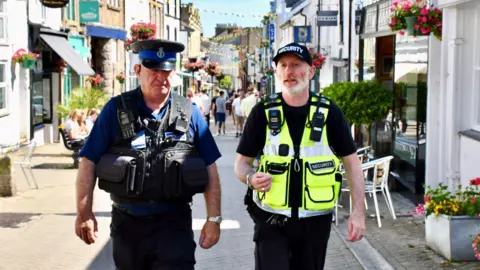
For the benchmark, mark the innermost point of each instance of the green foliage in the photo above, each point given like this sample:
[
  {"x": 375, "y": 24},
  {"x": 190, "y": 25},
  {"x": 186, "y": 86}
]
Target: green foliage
[
  {"x": 82, "y": 98},
  {"x": 361, "y": 102},
  {"x": 226, "y": 82}
]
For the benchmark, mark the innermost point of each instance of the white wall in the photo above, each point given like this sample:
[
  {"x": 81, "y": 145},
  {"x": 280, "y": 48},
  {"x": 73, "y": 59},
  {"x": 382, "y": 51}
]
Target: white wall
[
  {"x": 17, "y": 117},
  {"x": 49, "y": 17},
  {"x": 170, "y": 19},
  {"x": 452, "y": 159}
]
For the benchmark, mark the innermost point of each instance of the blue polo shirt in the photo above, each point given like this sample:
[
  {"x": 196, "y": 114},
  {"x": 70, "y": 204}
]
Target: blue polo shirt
[{"x": 106, "y": 130}]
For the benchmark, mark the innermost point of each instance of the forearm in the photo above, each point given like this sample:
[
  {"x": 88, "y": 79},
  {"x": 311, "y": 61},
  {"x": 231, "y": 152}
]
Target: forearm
[
  {"x": 356, "y": 183},
  {"x": 85, "y": 186},
  {"x": 213, "y": 193},
  {"x": 243, "y": 166}
]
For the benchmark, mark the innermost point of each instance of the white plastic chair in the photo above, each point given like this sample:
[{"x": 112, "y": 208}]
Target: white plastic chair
[
  {"x": 378, "y": 184},
  {"x": 25, "y": 164}
]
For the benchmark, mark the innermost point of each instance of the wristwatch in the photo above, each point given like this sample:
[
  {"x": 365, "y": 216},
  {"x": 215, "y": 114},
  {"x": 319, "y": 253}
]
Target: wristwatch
[
  {"x": 248, "y": 179},
  {"x": 217, "y": 219}
]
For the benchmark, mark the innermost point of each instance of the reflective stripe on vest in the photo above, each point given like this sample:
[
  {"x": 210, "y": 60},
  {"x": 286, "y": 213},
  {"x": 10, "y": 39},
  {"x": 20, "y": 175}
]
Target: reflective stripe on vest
[{"x": 320, "y": 190}]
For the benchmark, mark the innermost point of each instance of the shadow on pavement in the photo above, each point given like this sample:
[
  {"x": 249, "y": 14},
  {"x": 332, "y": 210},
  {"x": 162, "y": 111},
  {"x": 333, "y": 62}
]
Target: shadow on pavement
[
  {"x": 52, "y": 155},
  {"x": 97, "y": 214},
  {"x": 55, "y": 166},
  {"x": 13, "y": 220},
  {"x": 103, "y": 260}
]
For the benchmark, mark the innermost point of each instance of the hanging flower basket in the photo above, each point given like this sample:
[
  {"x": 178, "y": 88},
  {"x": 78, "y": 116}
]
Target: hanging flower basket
[
  {"x": 211, "y": 68},
  {"x": 269, "y": 71},
  {"x": 141, "y": 31},
  {"x": 96, "y": 81},
  {"x": 120, "y": 78},
  {"x": 192, "y": 67},
  {"x": 25, "y": 58},
  {"x": 317, "y": 59},
  {"x": 416, "y": 17}
]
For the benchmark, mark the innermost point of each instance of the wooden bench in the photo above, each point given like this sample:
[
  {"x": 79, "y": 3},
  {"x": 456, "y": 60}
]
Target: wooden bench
[{"x": 75, "y": 145}]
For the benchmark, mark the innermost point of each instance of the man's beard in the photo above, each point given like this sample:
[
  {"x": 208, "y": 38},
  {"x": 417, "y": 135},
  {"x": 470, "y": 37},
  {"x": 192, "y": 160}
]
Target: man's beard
[{"x": 302, "y": 83}]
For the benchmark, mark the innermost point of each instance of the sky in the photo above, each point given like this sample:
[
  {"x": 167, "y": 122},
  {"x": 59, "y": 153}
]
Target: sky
[{"x": 247, "y": 8}]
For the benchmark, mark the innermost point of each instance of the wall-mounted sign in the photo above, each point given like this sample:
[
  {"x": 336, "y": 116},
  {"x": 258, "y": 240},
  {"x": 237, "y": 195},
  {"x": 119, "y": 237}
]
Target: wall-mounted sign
[
  {"x": 271, "y": 32},
  {"x": 327, "y": 18},
  {"x": 302, "y": 34},
  {"x": 54, "y": 3},
  {"x": 89, "y": 12}
]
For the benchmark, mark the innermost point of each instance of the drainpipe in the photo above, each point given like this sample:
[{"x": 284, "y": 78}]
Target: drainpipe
[
  {"x": 305, "y": 16},
  {"x": 349, "y": 75}
]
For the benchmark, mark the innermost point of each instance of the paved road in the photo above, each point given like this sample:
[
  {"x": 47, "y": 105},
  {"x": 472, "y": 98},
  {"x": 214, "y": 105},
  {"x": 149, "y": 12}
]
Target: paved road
[{"x": 36, "y": 227}]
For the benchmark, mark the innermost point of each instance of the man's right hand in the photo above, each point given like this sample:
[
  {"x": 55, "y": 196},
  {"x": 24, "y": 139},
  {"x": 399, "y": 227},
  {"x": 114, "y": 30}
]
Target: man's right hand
[
  {"x": 261, "y": 181},
  {"x": 86, "y": 228}
]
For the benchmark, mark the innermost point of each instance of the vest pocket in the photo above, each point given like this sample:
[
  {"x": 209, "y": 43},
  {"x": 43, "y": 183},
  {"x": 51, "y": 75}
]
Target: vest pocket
[
  {"x": 319, "y": 183},
  {"x": 277, "y": 195}
]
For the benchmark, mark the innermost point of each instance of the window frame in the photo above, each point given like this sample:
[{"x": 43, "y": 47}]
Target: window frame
[
  {"x": 476, "y": 78},
  {"x": 70, "y": 10},
  {"x": 4, "y": 15},
  {"x": 5, "y": 111}
]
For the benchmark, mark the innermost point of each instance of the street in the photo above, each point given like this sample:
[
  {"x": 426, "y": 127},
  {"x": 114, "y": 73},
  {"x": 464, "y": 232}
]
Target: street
[{"x": 37, "y": 226}]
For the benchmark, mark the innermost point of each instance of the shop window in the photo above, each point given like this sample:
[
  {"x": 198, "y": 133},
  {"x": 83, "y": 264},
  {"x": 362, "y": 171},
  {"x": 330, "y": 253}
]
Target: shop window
[
  {"x": 41, "y": 100},
  {"x": 3, "y": 20},
  {"x": 369, "y": 55},
  {"x": 70, "y": 11},
  {"x": 3, "y": 91}
]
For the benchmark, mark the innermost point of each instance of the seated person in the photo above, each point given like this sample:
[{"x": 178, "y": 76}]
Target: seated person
[{"x": 72, "y": 127}]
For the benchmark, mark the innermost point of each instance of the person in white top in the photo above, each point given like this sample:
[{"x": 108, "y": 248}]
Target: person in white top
[
  {"x": 72, "y": 127},
  {"x": 194, "y": 99},
  {"x": 207, "y": 104},
  {"x": 237, "y": 111}
]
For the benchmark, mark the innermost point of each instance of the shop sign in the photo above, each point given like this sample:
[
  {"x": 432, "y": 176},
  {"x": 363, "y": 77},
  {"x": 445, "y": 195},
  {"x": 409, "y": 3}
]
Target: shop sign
[
  {"x": 89, "y": 11},
  {"x": 327, "y": 18},
  {"x": 302, "y": 34},
  {"x": 54, "y": 3}
]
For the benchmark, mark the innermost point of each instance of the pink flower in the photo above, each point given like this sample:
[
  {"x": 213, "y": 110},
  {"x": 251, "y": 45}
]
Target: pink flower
[
  {"x": 474, "y": 200},
  {"x": 425, "y": 30},
  {"x": 416, "y": 26},
  {"x": 424, "y": 11},
  {"x": 394, "y": 21},
  {"x": 402, "y": 33},
  {"x": 420, "y": 210}
]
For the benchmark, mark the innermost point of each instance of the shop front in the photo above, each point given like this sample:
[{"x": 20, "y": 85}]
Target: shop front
[
  {"x": 71, "y": 79},
  {"x": 400, "y": 63},
  {"x": 45, "y": 82}
]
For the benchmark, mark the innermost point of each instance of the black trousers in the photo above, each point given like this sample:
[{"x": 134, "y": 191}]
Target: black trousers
[
  {"x": 295, "y": 245},
  {"x": 160, "y": 242}
]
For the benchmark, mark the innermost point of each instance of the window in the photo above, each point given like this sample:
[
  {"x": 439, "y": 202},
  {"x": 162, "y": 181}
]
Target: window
[
  {"x": 168, "y": 32},
  {"x": 3, "y": 20},
  {"x": 476, "y": 77},
  {"x": 175, "y": 8},
  {"x": 114, "y": 3},
  {"x": 44, "y": 13},
  {"x": 70, "y": 11},
  {"x": 3, "y": 90},
  {"x": 168, "y": 7},
  {"x": 175, "y": 33}
]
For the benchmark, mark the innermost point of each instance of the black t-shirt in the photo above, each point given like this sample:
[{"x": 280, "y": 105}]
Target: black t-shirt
[{"x": 254, "y": 134}]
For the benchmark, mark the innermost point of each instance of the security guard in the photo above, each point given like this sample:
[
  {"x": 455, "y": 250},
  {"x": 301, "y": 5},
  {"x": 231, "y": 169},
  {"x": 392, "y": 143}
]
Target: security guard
[
  {"x": 152, "y": 151},
  {"x": 301, "y": 136}
]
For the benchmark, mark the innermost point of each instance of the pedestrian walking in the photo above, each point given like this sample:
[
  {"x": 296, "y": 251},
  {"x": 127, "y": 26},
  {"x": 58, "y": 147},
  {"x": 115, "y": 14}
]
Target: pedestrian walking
[
  {"x": 237, "y": 113},
  {"x": 152, "y": 151},
  {"x": 302, "y": 136},
  {"x": 221, "y": 112}
]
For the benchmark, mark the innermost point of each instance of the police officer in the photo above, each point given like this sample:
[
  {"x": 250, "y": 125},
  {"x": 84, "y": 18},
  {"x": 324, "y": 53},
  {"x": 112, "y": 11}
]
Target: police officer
[
  {"x": 302, "y": 136},
  {"x": 152, "y": 151}
]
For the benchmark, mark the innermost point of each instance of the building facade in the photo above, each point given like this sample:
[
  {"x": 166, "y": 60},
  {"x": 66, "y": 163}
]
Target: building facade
[
  {"x": 136, "y": 11},
  {"x": 453, "y": 103},
  {"x": 190, "y": 15}
]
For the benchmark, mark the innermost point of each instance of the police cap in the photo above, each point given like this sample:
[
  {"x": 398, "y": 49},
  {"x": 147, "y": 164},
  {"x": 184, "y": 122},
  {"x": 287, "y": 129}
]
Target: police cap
[{"x": 157, "y": 54}]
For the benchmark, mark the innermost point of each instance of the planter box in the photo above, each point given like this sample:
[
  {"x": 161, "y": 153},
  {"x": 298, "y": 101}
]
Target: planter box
[{"x": 452, "y": 236}]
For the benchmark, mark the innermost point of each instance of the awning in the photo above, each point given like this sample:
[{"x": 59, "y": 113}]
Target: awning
[
  {"x": 104, "y": 32},
  {"x": 61, "y": 46}
]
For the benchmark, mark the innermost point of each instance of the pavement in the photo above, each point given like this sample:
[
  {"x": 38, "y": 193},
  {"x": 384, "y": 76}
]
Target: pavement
[{"x": 37, "y": 225}]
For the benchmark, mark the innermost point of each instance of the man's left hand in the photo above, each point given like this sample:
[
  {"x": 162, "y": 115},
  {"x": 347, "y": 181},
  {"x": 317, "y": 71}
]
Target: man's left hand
[
  {"x": 210, "y": 235},
  {"x": 356, "y": 226}
]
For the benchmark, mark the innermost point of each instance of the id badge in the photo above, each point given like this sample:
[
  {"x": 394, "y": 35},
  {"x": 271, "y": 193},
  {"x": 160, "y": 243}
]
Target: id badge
[{"x": 139, "y": 141}]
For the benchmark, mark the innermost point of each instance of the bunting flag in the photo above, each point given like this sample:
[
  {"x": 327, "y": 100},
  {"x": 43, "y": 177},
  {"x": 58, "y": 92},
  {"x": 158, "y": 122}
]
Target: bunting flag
[{"x": 240, "y": 15}]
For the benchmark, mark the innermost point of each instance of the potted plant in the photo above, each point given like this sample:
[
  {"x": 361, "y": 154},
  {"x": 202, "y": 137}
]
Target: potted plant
[
  {"x": 95, "y": 81},
  {"x": 270, "y": 71},
  {"x": 25, "y": 58},
  {"x": 141, "y": 31},
  {"x": 211, "y": 68},
  {"x": 456, "y": 215},
  {"x": 193, "y": 66},
  {"x": 120, "y": 78},
  {"x": 415, "y": 17}
]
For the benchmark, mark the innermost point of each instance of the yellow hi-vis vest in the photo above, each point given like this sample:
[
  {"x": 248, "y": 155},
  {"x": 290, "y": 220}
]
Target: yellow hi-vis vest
[{"x": 316, "y": 163}]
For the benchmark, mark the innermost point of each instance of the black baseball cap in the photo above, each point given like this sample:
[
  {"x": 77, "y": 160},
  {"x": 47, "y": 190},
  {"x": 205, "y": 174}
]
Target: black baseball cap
[
  {"x": 296, "y": 49},
  {"x": 157, "y": 54}
]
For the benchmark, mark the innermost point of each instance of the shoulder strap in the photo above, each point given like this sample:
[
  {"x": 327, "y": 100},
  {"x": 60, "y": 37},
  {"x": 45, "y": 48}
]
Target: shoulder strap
[
  {"x": 273, "y": 100},
  {"x": 180, "y": 113}
]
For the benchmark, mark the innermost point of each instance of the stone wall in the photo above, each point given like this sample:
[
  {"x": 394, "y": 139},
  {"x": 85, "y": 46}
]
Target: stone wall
[{"x": 7, "y": 185}]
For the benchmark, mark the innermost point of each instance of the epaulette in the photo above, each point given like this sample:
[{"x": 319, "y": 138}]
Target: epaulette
[{"x": 272, "y": 100}]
